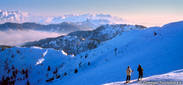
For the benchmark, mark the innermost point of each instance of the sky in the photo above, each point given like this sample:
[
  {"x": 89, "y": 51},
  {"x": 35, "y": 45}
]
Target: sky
[{"x": 145, "y": 12}]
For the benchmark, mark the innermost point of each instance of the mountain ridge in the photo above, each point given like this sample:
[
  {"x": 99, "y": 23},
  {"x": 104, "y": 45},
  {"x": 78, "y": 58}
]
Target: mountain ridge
[
  {"x": 80, "y": 41},
  {"x": 90, "y": 20},
  {"x": 63, "y": 27},
  {"x": 158, "y": 51}
]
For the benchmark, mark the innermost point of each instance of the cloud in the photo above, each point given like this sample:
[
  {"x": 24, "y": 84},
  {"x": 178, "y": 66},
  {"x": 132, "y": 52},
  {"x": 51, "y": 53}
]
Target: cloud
[{"x": 18, "y": 37}]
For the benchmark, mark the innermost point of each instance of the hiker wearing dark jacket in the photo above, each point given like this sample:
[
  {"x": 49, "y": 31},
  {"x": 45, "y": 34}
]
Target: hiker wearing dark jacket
[{"x": 140, "y": 70}]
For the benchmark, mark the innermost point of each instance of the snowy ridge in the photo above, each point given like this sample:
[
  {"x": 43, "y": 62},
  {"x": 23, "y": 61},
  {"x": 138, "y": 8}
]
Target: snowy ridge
[
  {"x": 155, "y": 52},
  {"x": 171, "y": 78},
  {"x": 31, "y": 65},
  {"x": 80, "y": 41}
]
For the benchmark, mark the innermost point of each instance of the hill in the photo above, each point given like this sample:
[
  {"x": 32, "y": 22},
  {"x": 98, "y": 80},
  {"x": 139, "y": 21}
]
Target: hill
[{"x": 157, "y": 49}]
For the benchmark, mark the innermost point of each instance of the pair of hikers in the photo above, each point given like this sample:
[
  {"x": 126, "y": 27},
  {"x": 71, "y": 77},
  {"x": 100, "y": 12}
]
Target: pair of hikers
[{"x": 129, "y": 71}]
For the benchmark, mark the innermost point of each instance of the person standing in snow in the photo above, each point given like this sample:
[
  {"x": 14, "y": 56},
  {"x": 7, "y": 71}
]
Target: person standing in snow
[
  {"x": 140, "y": 70},
  {"x": 128, "y": 73},
  {"x": 115, "y": 51}
]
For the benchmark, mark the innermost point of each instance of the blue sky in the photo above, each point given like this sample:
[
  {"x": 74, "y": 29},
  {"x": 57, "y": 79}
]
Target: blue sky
[{"x": 129, "y": 9}]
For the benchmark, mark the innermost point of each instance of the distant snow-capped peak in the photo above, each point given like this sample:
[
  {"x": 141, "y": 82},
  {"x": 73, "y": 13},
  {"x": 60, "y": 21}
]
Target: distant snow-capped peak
[
  {"x": 94, "y": 20},
  {"x": 13, "y": 16}
]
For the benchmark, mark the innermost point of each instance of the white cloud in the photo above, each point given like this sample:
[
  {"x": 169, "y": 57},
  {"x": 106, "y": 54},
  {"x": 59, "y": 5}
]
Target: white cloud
[{"x": 19, "y": 37}]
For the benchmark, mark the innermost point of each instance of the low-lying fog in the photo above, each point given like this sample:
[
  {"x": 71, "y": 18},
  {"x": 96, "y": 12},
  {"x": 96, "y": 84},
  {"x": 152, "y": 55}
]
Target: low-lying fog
[{"x": 18, "y": 37}]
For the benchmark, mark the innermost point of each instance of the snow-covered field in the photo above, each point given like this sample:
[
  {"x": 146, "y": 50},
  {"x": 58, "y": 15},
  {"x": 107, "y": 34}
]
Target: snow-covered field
[{"x": 157, "y": 49}]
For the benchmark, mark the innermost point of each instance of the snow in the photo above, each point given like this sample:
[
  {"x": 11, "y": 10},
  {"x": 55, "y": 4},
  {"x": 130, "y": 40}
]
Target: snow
[
  {"x": 36, "y": 47},
  {"x": 44, "y": 54},
  {"x": 31, "y": 59},
  {"x": 158, "y": 54},
  {"x": 63, "y": 52},
  {"x": 39, "y": 61},
  {"x": 42, "y": 59},
  {"x": 171, "y": 78},
  {"x": 92, "y": 20},
  {"x": 13, "y": 16}
]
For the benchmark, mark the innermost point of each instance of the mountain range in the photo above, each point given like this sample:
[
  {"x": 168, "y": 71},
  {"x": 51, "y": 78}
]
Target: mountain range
[
  {"x": 62, "y": 28},
  {"x": 90, "y": 20},
  {"x": 80, "y": 41}
]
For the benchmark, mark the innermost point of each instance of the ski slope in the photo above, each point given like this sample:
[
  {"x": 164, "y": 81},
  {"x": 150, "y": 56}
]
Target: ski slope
[{"x": 157, "y": 49}]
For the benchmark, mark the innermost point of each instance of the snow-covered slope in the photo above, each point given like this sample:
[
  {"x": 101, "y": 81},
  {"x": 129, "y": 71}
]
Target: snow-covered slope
[
  {"x": 171, "y": 78},
  {"x": 20, "y": 66},
  {"x": 157, "y": 49},
  {"x": 80, "y": 41}
]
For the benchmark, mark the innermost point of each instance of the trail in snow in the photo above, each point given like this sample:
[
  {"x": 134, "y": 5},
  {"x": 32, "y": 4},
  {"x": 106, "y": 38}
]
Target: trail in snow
[{"x": 171, "y": 78}]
